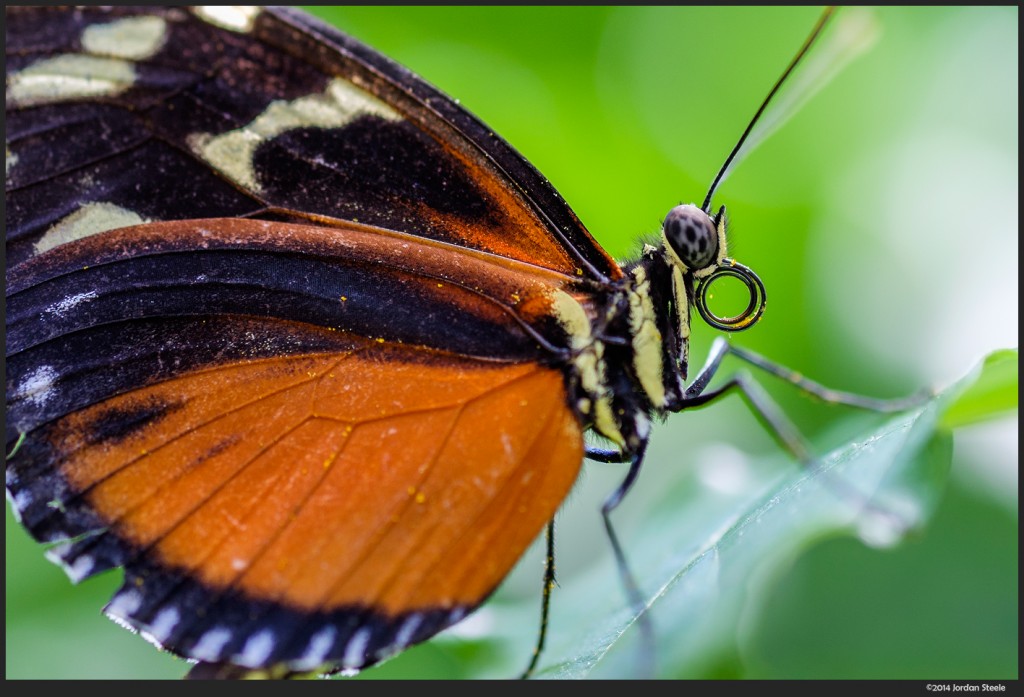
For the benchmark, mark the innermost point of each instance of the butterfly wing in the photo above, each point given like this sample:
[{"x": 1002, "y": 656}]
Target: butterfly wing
[
  {"x": 117, "y": 116},
  {"x": 304, "y": 511},
  {"x": 282, "y": 488},
  {"x": 280, "y": 338}
]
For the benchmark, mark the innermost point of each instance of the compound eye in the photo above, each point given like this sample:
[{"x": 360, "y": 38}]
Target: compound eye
[{"x": 692, "y": 235}]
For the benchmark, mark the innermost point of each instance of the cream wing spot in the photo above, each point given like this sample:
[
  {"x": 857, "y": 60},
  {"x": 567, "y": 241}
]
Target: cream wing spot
[
  {"x": 355, "y": 650},
  {"x": 78, "y": 570},
  {"x": 90, "y": 219},
  {"x": 123, "y": 605},
  {"x": 68, "y": 77},
  {"x": 237, "y": 18},
  {"x": 408, "y": 629},
  {"x": 19, "y": 502},
  {"x": 36, "y": 386},
  {"x": 257, "y": 649},
  {"x": 163, "y": 625},
  {"x": 210, "y": 646},
  {"x": 339, "y": 104},
  {"x": 316, "y": 652},
  {"x": 65, "y": 305},
  {"x": 132, "y": 38}
]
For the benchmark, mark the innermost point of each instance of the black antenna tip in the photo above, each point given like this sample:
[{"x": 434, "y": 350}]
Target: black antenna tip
[{"x": 829, "y": 11}]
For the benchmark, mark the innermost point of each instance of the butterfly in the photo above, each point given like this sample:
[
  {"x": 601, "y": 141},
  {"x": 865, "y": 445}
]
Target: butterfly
[{"x": 299, "y": 342}]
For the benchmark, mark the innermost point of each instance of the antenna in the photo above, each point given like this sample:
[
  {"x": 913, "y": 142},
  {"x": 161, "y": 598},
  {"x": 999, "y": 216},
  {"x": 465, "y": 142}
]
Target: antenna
[{"x": 826, "y": 15}]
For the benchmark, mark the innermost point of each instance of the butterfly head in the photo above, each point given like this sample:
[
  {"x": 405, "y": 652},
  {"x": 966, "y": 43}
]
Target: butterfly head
[
  {"x": 695, "y": 243},
  {"x": 696, "y": 239}
]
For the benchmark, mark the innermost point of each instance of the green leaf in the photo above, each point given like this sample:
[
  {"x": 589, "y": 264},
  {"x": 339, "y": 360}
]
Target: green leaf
[
  {"x": 991, "y": 394},
  {"x": 705, "y": 574}
]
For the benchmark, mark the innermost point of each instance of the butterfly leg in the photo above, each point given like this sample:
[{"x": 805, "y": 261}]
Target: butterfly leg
[
  {"x": 606, "y": 455},
  {"x": 720, "y": 348},
  {"x": 629, "y": 583},
  {"x": 545, "y": 601},
  {"x": 632, "y": 590},
  {"x": 772, "y": 416}
]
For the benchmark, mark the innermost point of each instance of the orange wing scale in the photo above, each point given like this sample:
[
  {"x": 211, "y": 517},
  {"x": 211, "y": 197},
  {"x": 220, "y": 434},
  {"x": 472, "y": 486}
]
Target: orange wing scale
[{"x": 390, "y": 478}]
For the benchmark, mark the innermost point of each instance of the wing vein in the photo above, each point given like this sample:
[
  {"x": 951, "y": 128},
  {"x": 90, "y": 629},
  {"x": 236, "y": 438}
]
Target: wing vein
[{"x": 192, "y": 429}]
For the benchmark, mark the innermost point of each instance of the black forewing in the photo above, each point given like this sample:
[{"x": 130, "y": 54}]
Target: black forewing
[
  {"x": 422, "y": 165},
  {"x": 517, "y": 172}
]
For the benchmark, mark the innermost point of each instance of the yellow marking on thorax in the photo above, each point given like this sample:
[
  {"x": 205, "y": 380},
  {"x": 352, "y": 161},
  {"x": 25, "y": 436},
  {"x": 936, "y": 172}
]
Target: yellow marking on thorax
[
  {"x": 683, "y": 313},
  {"x": 573, "y": 318},
  {"x": 589, "y": 364},
  {"x": 647, "y": 340}
]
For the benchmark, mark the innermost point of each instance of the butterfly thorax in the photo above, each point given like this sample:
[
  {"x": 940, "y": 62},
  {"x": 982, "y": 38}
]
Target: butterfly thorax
[{"x": 630, "y": 363}]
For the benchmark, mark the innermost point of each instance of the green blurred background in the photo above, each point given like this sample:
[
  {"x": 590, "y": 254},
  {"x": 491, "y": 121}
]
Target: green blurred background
[{"x": 882, "y": 218}]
